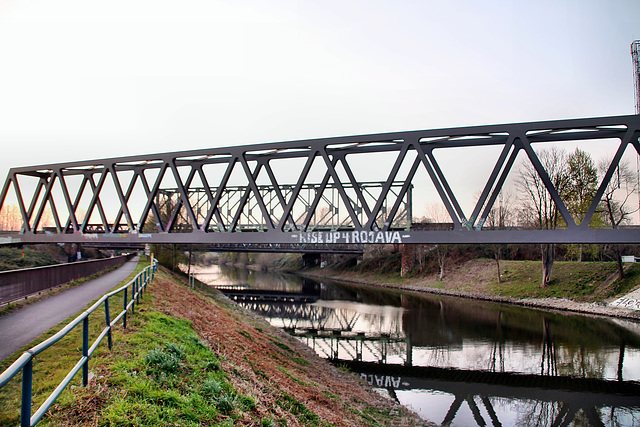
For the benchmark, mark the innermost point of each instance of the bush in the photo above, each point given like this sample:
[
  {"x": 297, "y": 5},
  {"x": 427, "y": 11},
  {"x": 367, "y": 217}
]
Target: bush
[{"x": 168, "y": 360}]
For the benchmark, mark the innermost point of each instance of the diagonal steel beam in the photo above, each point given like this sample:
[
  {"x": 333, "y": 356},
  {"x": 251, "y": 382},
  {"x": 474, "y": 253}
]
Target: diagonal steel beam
[
  {"x": 183, "y": 199},
  {"x": 401, "y": 194},
  {"x": 121, "y": 198},
  {"x": 439, "y": 188},
  {"x": 245, "y": 197},
  {"x": 34, "y": 200},
  {"x": 387, "y": 186},
  {"x": 447, "y": 188},
  {"x": 252, "y": 185},
  {"x": 151, "y": 196},
  {"x": 95, "y": 201},
  {"x": 544, "y": 177},
  {"x": 491, "y": 183},
  {"x": 215, "y": 200},
  {"x": 127, "y": 196},
  {"x": 76, "y": 201},
  {"x": 356, "y": 187},
  {"x": 67, "y": 200},
  {"x": 343, "y": 194},
  {"x": 43, "y": 203},
  {"x": 279, "y": 195},
  {"x": 630, "y": 138}
]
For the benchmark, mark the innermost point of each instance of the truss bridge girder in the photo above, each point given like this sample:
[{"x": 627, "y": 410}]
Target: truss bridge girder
[{"x": 322, "y": 191}]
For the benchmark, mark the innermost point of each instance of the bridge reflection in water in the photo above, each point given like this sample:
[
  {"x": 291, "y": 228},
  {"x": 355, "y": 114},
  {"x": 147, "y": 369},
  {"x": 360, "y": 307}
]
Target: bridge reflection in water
[{"x": 457, "y": 361}]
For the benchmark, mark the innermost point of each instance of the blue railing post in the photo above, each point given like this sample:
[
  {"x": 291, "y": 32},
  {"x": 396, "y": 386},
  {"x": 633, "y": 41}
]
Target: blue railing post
[
  {"x": 107, "y": 318},
  {"x": 133, "y": 295},
  {"x": 27, "y": 381},
  {"x": 85, "y": 350},
  {"x": 124, "y": 318}
]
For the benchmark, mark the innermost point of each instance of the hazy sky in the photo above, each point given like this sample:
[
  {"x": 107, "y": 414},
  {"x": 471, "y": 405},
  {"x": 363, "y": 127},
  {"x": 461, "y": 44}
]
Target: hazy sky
[{"x": 83, "y": 79}]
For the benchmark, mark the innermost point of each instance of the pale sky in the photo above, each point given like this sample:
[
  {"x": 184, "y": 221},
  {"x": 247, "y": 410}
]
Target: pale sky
[{"x": 84, "y": 79}]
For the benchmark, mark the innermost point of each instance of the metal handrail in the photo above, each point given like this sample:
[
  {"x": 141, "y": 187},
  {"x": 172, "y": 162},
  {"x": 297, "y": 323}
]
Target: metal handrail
[{"x": 25, "y": 361}]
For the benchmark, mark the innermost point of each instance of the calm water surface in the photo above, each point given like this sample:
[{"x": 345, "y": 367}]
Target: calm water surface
[{"x": 454, "y": 360}]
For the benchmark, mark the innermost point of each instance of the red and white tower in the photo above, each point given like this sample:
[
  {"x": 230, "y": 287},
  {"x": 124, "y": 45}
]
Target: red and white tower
[{"x": 635, "y": 55}]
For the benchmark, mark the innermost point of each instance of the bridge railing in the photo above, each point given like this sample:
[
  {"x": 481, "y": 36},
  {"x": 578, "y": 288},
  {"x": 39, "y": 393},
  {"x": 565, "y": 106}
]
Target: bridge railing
[{"x": 24, "y": 363}]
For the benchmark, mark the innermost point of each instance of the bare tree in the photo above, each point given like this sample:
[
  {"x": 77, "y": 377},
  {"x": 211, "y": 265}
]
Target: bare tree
[
  {"x": 615, "y": 203},
  {"x": 500, "y": 217},
  {"x": 10, "y": 218},
  {"x": 538, "y": 208},
  {"x": 441, "y": 255},
  {"x": 437, "y": 213}
]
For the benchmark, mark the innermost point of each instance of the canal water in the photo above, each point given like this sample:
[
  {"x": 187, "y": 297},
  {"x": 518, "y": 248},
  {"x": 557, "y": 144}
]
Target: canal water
[{"x": 456, "y": 361}]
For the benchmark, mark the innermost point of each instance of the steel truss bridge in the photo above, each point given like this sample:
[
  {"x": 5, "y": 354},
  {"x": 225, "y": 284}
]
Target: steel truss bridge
[{"x": 305, "y": 192}]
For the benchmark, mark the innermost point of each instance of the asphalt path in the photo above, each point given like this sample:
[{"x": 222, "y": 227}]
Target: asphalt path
[{"x": 22, "y": 326}]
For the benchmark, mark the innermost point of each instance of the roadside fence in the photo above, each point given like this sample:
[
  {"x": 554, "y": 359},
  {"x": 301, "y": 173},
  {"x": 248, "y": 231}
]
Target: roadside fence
[
  {"x": 15, "y": 284},
  {"x": 135, "y": 288}
]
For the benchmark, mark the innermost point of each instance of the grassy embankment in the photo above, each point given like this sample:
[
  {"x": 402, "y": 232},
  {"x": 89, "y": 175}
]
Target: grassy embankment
[
  {"x": 14, "y": 258},
  {"x": 187, "y": 359}
]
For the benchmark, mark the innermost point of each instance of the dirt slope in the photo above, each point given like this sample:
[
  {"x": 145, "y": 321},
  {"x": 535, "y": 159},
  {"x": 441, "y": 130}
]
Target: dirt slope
[{"x": 270, "y": 365}]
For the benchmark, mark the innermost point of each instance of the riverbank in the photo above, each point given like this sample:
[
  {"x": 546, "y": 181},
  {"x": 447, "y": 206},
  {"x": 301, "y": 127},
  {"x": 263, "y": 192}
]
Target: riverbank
[
  {"x": 196, "y": 358},
  {"x": 476, "y": 279}
]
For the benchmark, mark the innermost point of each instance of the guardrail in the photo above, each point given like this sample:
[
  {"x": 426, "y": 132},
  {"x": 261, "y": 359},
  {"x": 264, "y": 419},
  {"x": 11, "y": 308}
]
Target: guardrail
[
  {"x": 25, "y": 362},
  {"x": 15, "y": 284}
]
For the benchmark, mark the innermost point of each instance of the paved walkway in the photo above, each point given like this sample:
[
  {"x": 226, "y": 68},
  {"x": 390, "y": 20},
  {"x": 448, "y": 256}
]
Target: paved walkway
[{"x": 20, "y": 327}]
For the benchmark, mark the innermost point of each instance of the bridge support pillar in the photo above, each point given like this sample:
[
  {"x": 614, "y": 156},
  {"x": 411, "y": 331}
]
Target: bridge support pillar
[
  {"x": 310, "y": 260},
  {"x": 407, "y": 258}
]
